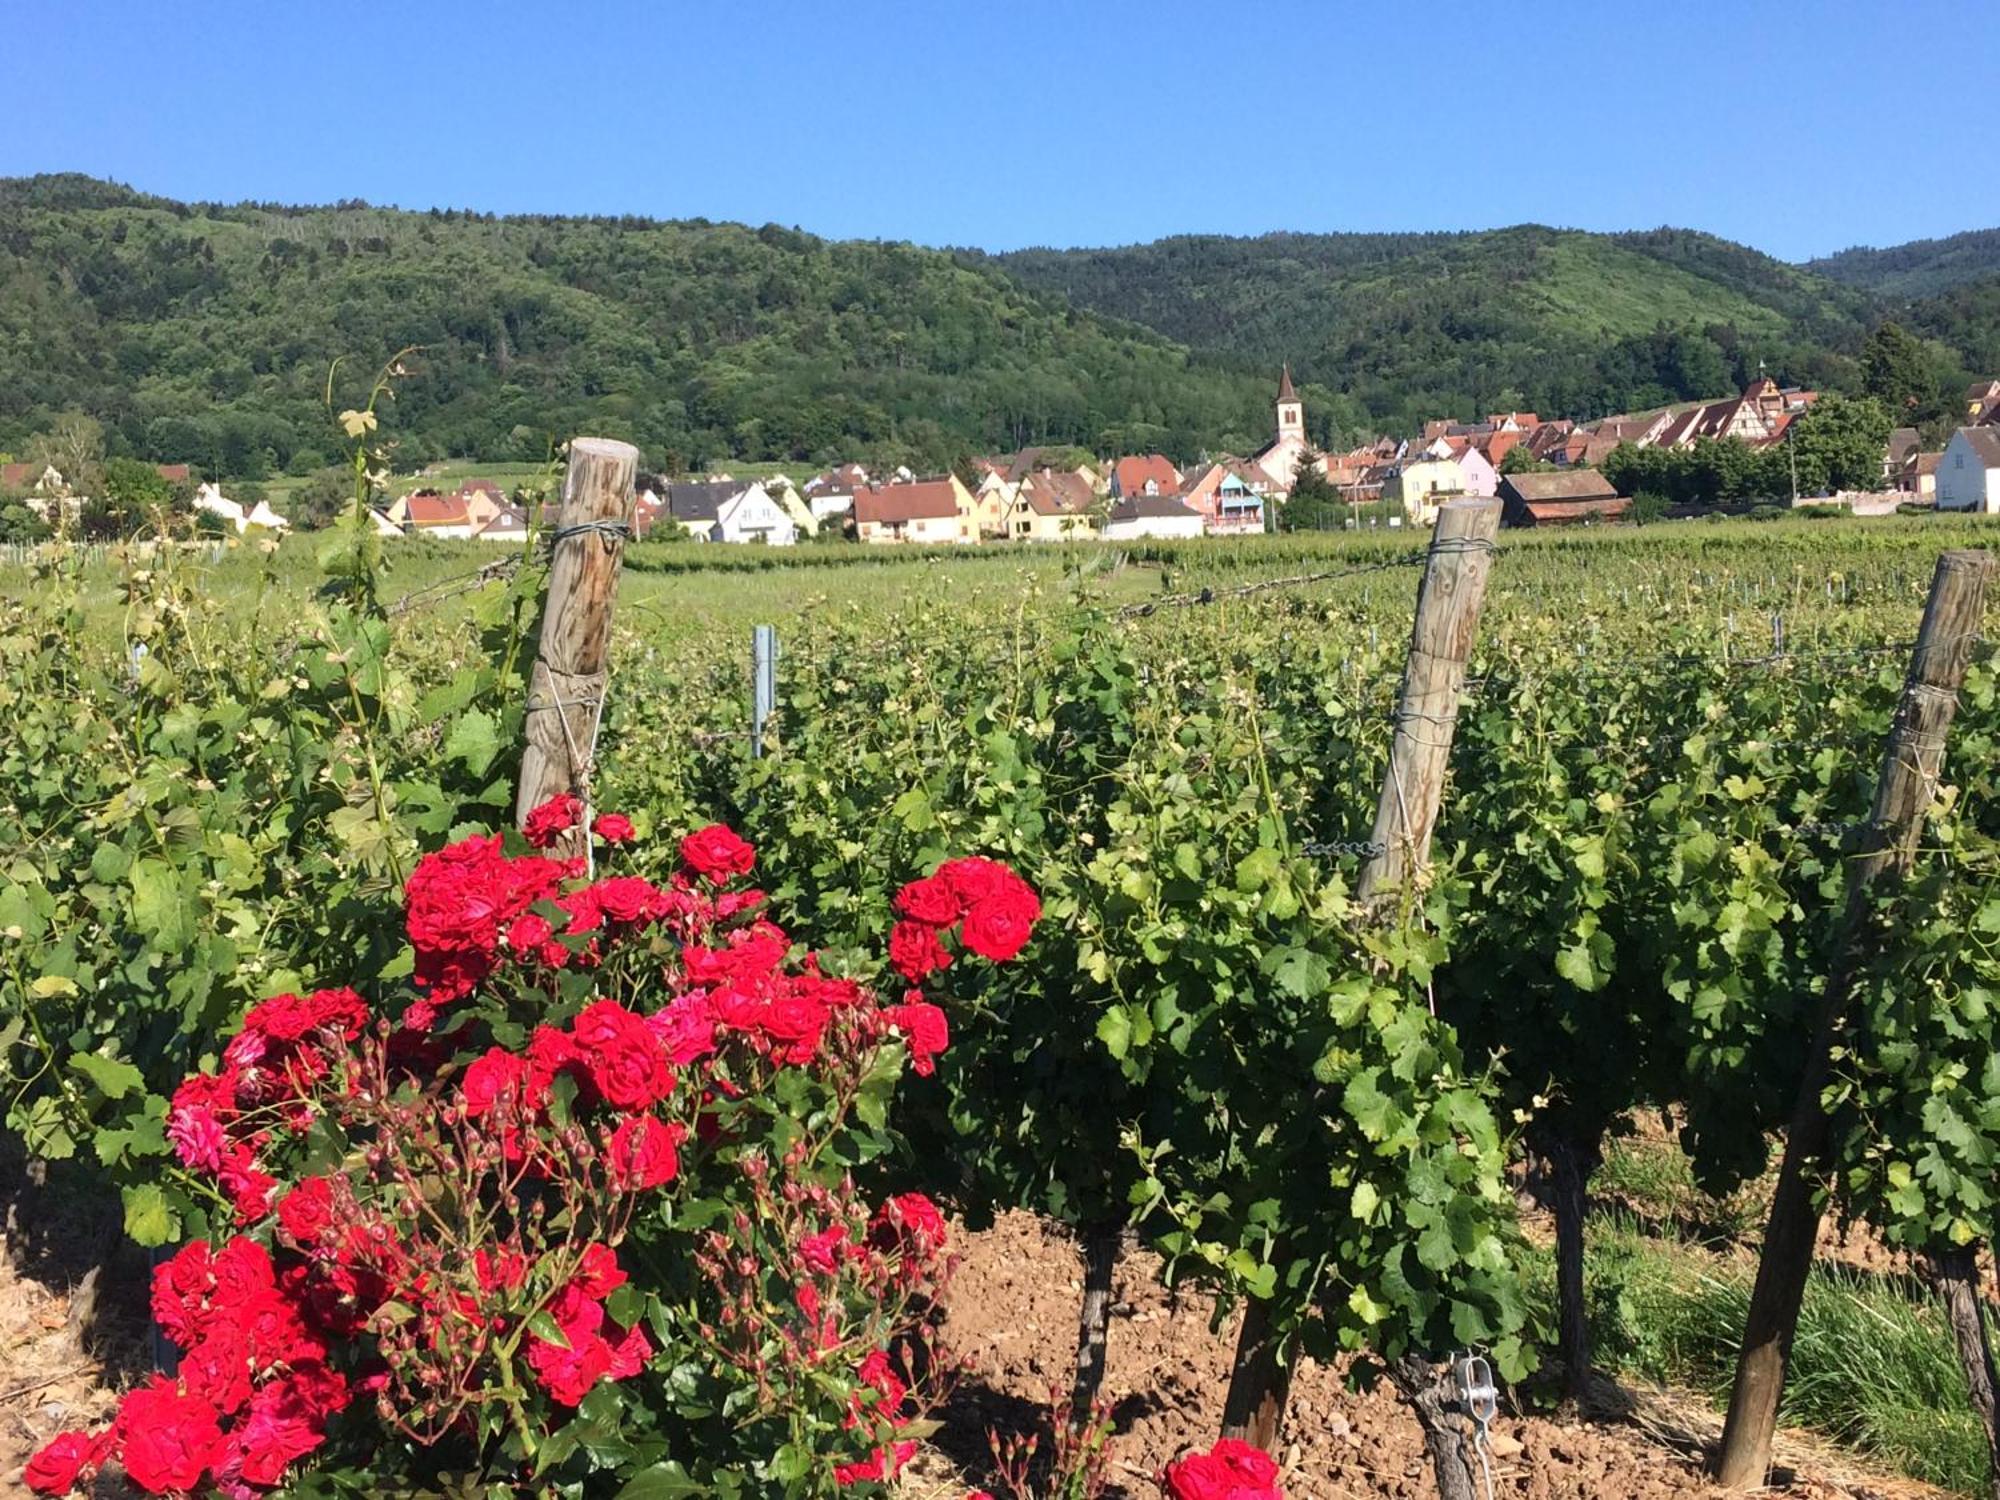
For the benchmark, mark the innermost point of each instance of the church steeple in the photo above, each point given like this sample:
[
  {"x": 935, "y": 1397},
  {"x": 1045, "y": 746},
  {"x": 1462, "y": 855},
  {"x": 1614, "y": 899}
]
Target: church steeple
[{"x": 1291, "y": 412}]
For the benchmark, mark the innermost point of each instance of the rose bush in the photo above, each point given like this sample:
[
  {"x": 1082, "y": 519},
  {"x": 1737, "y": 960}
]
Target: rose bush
[{"x": 579, "y": 1215}]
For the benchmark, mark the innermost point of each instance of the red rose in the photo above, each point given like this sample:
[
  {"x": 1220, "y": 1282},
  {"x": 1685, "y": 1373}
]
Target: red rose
[
  {"x": 880, "y": 1377},
  {"x": 911, "y": 1222},
  {"x": 915, "y": 951},
  {"x": 551, "y": 820},
  {"x": 822, "y": 1253},
  {"x": 645, "y": 1152},
  {"x": 717, "y": 853},
  {"x": 496, "y": 1074},
  {"x": 925, "y": 1033},
  {"x": 1231, "y": 1470},
  {"x": 627, "y": 898},
  {"x": 306, "y": 1212},
  {"x": 931, "y": 900},
  {"x": 625, "y": 1061},
  {"x": 998, "y": 926},
  {"x": 62, "y": 1461},
  {"x": 613, "y": 828},
  {"x": 975, "y": 879},
  {"x": 286, "y": 1420},
  {"x": 168, "y": 1440},
  {"x": 527, "y": 933}
]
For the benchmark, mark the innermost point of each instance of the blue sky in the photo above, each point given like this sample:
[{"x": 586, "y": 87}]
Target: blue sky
[{"x": 1799, "y": 128}]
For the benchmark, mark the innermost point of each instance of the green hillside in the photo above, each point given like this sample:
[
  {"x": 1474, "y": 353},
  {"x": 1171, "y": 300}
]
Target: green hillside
[
  {"x": 1399, "y": 326},
  {"x": 1922, "y": 268},
  {"x": 205, "y": 333}
]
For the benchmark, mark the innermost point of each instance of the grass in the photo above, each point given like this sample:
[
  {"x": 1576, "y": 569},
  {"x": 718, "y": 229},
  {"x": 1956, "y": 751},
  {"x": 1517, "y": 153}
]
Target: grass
[
  {"x": 1655, "y": 1177},
  {"x": 1873, "y": 1368}
]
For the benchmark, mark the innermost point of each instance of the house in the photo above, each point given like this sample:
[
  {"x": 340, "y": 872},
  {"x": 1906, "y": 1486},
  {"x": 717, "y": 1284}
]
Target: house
[
  {"x": 507, "y": 524},
  {"x": 1968, "y": 474},
  {"x": 1982, "y": 402},
  {"x": 1478, "y": 471},
  {"x": 648, "y": 508},
  {"x": 1148, "y": 474},
  {"x": 1903, "y": 447},
  {"x": 1151, "y": 515},
  {"x": 993, "y": 503},
  {"x": 1567, "y": 497},
  {"x": 427, "y": 513},
  {"x": 843, "y": 478},
  {"x": 1423, "y": 482},
  {"x": 731, "y": 510},
  {"x": 1029, "y": 460},
  {"x": 210, "y": 500},
  {"x": 483, "y": 500},
  {"x": 1221, "y": 493},
  {"x": 1052, "y": 505},
  {"x": 1921, "y": 480},
  {"x": 1279, "y": 458},
  {"x": 938, "y": 512}
]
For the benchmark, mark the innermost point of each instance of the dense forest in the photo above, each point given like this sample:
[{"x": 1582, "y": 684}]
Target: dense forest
[
  {"x": 205, "y": 333},
  {"x": 1397, "y": 327},
  {"x": 1922, "y": 268}
]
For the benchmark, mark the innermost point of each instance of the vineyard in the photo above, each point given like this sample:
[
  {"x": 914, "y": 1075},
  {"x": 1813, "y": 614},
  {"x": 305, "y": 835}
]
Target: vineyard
[{"x": 1230, "y": 1051}]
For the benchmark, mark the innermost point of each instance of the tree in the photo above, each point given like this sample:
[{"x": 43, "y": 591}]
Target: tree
[
  {"x": 74, "y": 448},
  {"x": 1518, "y": 460},
  {"x": 1896, "y": 370},
  {"x": 1315, "y": 503},
  {"x": 1839, "y": 444},
  {"x": 324, "y": 498},
  {"x": 20, "y": 524}
]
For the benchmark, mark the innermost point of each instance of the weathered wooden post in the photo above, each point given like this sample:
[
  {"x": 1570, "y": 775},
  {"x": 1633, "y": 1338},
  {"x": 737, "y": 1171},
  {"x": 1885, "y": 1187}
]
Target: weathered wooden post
[
  {"x": 1910, "y": 765},
  {"x": 1448, "y": 601},
  {"x": 566, "y": 688}
]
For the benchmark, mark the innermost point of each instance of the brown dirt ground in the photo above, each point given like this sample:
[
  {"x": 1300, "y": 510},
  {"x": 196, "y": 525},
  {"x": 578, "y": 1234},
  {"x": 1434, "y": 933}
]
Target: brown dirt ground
[{"x": 1012, "y": 1311}]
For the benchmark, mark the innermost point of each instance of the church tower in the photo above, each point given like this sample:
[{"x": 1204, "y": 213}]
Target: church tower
[{"x": 1291, "y": 412}]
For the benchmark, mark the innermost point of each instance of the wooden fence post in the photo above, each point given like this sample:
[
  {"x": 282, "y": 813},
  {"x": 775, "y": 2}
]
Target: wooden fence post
[
  {"x": 566, "y": 688},
  {"x": 1448, "y": 600},
  {"x": 1448, "y": 604},
  {"x": 1910, "y": 767}
]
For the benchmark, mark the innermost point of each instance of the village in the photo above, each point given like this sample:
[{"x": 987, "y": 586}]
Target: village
[{"x": 1545, "y": 472}]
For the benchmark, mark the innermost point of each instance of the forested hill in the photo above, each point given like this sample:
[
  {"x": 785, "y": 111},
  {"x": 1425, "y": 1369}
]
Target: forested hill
[
  {"x": 1922, "y": 268},
  {"x": 1406, "y": 325},
  {"x": 205, "y": 333}
]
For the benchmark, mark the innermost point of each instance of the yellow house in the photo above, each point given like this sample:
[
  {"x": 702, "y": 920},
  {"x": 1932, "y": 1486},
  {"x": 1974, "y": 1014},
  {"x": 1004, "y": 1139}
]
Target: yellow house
[
  {"x": 1422, "y": 483},
  {"x": 1052, "y": 505},
  {"x": 931, "y": 512}
]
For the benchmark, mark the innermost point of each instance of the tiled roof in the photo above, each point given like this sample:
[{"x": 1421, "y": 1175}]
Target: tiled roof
[
  {"x": 1151, "y": 507},
  {"x": 701, "y": 502},
  {"x": 1132, "y": 474},
  {"x": 1568, "y": 484},
  {"x": 428, "y": 508},
  {"x": 892, "y": 504}
]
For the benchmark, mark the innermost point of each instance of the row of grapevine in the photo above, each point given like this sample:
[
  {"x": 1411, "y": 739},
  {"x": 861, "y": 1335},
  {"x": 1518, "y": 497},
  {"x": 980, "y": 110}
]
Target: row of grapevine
[{"x": 1636, "y": 889}]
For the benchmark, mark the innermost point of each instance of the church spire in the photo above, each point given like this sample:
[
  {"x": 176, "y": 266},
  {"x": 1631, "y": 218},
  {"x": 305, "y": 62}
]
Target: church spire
[{"x": 1285, "y": 391}]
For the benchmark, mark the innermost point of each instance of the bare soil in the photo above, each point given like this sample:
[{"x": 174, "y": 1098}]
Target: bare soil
[{"x": 1012, "y": 1311}]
